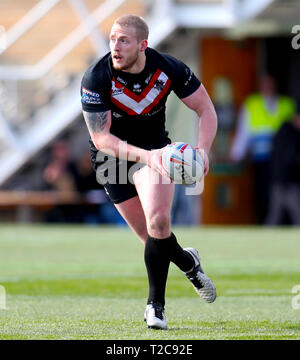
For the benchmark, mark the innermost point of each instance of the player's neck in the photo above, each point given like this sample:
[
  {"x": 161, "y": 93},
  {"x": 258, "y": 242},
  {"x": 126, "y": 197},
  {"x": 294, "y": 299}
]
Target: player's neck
[{"x": 138, "y": 66}]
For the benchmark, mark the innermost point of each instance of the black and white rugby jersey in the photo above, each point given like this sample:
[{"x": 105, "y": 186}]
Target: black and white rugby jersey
[{"x": 137, "y": 101}]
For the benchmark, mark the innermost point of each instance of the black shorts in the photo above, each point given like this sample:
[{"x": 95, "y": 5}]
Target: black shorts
[{"x": 116, "y": 176}]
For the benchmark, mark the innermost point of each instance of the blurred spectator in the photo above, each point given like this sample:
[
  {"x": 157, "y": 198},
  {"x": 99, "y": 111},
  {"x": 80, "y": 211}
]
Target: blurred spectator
[
  {"x": 260, "y": 118},
  {"x": 57, "y": 174},
  {"x": 58, "y": 177},
  {"x": 285, "y": 174},
  {"x": 100, "y": 209},
  {"x": 63, "y": 174},
  {"x": 84, "y": 175}
]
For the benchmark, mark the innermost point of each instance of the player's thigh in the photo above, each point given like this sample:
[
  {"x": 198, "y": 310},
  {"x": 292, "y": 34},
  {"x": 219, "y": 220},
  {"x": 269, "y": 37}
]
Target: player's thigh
[
  {"x": 156, "y": 196},
  {"x": 133, "y": 213},
  {"x": 123, "y": 195}
]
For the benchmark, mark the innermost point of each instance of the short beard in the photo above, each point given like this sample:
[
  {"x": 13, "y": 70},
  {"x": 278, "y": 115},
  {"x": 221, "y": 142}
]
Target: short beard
[{"x": 129, "y": 63}]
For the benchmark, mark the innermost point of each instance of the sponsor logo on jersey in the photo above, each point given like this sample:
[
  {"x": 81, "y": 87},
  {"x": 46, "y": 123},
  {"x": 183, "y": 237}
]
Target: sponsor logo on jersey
[
  {"x": 148, "y": 79},
  {"x": 156, "y": 111},
  {"x": 159, "y": 84},
  {"x": 139, "y": 104},
  {"x": 116, "y": 91},
  {"x": 122, "y": 81},
  {"x": 90, "y": 97},
  {"x": 137, "y": 88},
  {"x": 190, "y": 75},
  {"x": 116, "y": 115}
]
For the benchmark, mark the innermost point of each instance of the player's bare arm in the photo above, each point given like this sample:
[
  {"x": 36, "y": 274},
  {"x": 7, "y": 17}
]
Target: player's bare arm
[
  {"x": 201, "y": 103},
  {"x": 99, "y": 123},
  {"x": 96, "y": 122}
]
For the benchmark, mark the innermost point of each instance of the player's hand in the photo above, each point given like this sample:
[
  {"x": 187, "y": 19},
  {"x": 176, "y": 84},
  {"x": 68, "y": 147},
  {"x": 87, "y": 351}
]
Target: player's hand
[
  {"x": 155, "y": 162},
  {"x": 205, "y": 159}
]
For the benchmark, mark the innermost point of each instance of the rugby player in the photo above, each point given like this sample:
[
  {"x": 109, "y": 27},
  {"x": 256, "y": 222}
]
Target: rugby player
[{"x": 124, "y": 101}]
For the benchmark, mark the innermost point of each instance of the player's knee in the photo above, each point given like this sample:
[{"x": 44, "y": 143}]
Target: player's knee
[{"x": 159, "y": 224}]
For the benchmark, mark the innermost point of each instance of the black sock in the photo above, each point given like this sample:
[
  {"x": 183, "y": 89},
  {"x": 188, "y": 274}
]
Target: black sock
[
  {"x": 178, "y": 256},
  {"x": 157, "y": 260}
]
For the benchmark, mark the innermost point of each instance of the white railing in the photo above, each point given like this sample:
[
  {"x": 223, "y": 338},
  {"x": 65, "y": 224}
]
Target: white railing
[
  {"x": 249, "y": 9},
  {"x": 160, "y": 29},
  {"x": 83, "y": 13},
  {"x": 17, "y": 147},
  {"x": 64, "y": 47},
  {"x": 27, "y": 21},
  {"x": 7, "y": 132},
  {"x": 51, "y": 119}
]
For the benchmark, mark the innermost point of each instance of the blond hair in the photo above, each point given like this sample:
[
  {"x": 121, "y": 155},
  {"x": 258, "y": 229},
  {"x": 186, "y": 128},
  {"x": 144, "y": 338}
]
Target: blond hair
[{"x": 137, "y": 22}]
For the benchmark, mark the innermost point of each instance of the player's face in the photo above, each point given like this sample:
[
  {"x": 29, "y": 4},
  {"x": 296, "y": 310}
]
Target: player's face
[{"x": 124, "y": 47}]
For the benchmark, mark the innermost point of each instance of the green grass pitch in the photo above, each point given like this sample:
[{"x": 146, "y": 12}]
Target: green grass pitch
[{"x": 79, "y": 282}]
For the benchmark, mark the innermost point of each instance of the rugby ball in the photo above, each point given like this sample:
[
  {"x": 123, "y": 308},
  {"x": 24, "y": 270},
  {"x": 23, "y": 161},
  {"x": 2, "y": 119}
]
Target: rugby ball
[{"x": 183, "y": 163}]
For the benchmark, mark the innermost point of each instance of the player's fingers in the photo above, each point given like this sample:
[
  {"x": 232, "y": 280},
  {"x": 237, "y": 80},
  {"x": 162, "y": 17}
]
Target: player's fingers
[
  {"x": 205, "y": 160},
  {"x": 206, "y": 168},
  {"x": 155, "y": 162},
  {"x": 163, "y": 172},
  {"x": 201, "y": 152},
  {"x": 206, "y": 164}
]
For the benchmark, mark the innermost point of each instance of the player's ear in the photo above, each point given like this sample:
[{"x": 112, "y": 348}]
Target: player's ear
[{"x": 143, "y": 45}]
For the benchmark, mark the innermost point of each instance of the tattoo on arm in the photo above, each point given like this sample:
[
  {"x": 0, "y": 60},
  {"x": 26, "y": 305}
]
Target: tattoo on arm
[{"x": 96, "y": 121}]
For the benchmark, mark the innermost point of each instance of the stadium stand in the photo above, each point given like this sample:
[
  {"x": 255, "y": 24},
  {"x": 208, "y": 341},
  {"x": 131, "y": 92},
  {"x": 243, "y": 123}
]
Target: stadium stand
[
  {"x": 47, "y": 51},
  {"x": 47, "y": 45}
]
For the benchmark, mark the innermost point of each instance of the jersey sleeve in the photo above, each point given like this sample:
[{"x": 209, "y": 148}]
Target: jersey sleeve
[
  {"x": 184, "y": 80},
  {"x": 95, "y": 92}
]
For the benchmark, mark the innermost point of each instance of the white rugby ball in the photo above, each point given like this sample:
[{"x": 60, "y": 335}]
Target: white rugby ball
[{"x": 183, "y": 163}]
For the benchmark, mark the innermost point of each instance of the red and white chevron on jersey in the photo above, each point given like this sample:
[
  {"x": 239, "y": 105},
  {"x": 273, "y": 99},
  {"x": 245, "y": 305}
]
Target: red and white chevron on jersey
[{"x": 140, "y": 104}]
